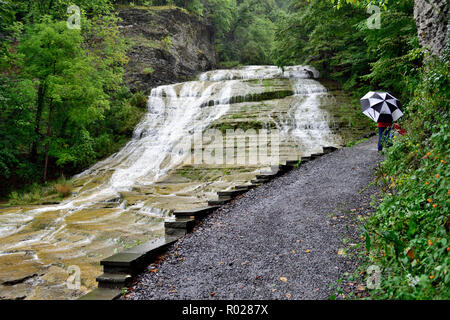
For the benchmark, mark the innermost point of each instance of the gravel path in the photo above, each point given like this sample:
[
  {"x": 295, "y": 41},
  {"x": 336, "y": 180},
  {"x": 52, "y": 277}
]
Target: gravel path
[{"x": 279, "y": 241}]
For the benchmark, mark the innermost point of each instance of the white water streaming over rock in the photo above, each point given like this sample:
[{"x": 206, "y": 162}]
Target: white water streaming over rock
[
  {"x": 311, "y": 128},
  {"x": 260, "y": 72},
  {"x": 82, "y": 230},
  {"x": 174, "y": 112}
]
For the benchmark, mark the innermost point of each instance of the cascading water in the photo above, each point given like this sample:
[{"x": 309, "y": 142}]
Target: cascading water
[
  {"x": 311, "y": 128},
  {"x": 38, "y": 243}
]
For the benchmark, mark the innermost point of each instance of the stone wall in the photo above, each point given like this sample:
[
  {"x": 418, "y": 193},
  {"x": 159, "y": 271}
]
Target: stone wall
[
  {"x": 432, "y": 24},
  {"x": 166, "y": 46}
]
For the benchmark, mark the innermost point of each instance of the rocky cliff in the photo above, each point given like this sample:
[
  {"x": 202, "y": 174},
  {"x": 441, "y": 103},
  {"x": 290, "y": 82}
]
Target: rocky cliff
[
  {"x": 167, "y": 45},
  {"x": 432, "y": 24}
]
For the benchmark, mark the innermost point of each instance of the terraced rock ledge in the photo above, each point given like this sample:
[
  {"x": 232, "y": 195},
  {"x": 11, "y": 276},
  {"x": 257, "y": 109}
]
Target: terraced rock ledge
[{"x": 121, "y": 269}]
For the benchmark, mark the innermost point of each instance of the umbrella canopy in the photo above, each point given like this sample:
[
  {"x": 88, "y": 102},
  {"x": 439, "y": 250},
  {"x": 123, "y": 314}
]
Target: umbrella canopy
[{"x": 381, "y": 107}]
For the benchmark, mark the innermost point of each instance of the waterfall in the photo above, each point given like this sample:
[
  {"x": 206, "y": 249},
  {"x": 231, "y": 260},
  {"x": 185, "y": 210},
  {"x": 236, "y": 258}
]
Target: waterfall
[
  {"x": 90, "y": 225},
  {"x": 311, "y": 127}
]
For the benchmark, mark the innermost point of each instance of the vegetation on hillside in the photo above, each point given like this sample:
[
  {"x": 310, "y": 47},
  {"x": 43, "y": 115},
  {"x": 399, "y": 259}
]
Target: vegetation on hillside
[
  {"x": 245, "y": 28},
  {"x": 408, "y": 236},
  {"x": 340, "y": 44},
  {"x": 62, "y": 100}
]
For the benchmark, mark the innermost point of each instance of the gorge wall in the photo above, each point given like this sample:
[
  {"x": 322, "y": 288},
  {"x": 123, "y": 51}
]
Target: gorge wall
[
  {"x": 166, "y": 45},
  {"x": 432, "y": 24}
]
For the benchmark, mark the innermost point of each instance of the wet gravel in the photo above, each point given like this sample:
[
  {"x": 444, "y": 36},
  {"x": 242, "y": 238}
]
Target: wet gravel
[{"x": 278, "y": 241}]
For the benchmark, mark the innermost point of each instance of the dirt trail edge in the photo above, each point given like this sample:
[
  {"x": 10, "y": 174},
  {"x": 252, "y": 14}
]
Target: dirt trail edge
[{"x": 279, "y": 241}]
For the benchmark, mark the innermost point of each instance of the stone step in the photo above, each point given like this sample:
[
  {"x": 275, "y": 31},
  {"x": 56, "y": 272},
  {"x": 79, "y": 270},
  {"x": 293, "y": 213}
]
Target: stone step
[
  {"x": 306, "y": 159},
  {"x": 329, "y": 149},
  {"x": 244, "y": 187},
  {"x": 225, "y": 197},
  {"x": 197, "y": 213},
  {"x": 114, "y": 280},
  {"x": 179, "y": 228},
  {"x": 260, "y": 181},
  {"x": 182, "y": 223},
  {"x": 230, "y": 193},
  {"x": 292, "y": 163},
  {"x": 102, "y": 294},
  {"x": 133, "y": 260},
  {"x": 275, "y": 169},
  {"x": 266, "y": 176},
  {"x": 219, "y": 202},
  {"x": 316, "y": 155}
]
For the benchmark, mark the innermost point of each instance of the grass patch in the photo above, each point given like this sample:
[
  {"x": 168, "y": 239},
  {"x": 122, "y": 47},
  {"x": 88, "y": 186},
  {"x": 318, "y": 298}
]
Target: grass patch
[
  {"x": 356, "y": 142},
  {"x": 52, "y": 191}
]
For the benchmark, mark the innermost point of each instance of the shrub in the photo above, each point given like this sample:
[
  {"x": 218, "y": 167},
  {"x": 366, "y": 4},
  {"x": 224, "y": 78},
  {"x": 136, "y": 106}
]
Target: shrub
[
  {"x": 408, "y": 236},
  {"x": 63, "y": 189},
  {"x": 148, "y": 71},
  {"x": 139, "y": 100}
]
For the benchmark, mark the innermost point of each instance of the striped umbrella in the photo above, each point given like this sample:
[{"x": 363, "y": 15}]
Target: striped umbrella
[{"x": 381, "y": 107}]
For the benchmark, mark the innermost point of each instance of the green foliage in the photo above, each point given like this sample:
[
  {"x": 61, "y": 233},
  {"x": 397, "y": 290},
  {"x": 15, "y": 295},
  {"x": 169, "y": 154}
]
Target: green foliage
[
  {"x": 167, "y": 43},
  {"x": 35, "y": 194},
  {"x": 408, "y": 236},
  {"x": 62, "y": 88},
  {"x": 354, "y": 143},
  {"x": 72, "y": 87},
  {"x": 148, "y": 71},
  {"x": 17, "y": 96},
  {"x": 340, "y": 45},
  {"x": 247, "y": 34},
  {"x": 245, "y": 29},
  {"x": 410, "y": 231},
  {"x": 35, "y": 11},
  {"x": 139, "y": 100}
]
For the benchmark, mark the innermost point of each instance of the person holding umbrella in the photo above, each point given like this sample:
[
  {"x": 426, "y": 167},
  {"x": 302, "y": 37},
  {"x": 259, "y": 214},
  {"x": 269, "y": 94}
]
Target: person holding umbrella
[{"x": 383, "y": 108}]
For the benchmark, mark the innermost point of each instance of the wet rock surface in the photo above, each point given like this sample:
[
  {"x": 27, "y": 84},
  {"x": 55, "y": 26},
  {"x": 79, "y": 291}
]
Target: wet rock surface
[
  {"x": 432, "y": 18},
  {"x": 278, "y": 241}
]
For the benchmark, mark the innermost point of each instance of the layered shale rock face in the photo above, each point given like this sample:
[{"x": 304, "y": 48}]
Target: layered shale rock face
[
  {"x": 167, "y": 45},
  {"x": 432, "y": 24}
]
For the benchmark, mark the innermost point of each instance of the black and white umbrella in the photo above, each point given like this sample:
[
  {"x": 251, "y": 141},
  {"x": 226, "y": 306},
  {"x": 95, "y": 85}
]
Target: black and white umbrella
[{"x": 381, "y": 107}]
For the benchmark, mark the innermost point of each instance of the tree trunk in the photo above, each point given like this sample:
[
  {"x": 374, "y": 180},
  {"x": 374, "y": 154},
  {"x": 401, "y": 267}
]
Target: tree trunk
[
  {"x": 37, "y": 126},
  {"x": 47, "y": 145}
]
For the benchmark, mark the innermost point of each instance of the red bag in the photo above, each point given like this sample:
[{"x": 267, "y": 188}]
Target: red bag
[{"x": 400, "y": 130}]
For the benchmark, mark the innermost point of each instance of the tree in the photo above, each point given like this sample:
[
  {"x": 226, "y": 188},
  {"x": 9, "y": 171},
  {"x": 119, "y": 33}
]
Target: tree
[
  {"x": 70, "y": 90},
  {"x": 249, "y": 35},
  {"x": 339, "y": 43}
]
